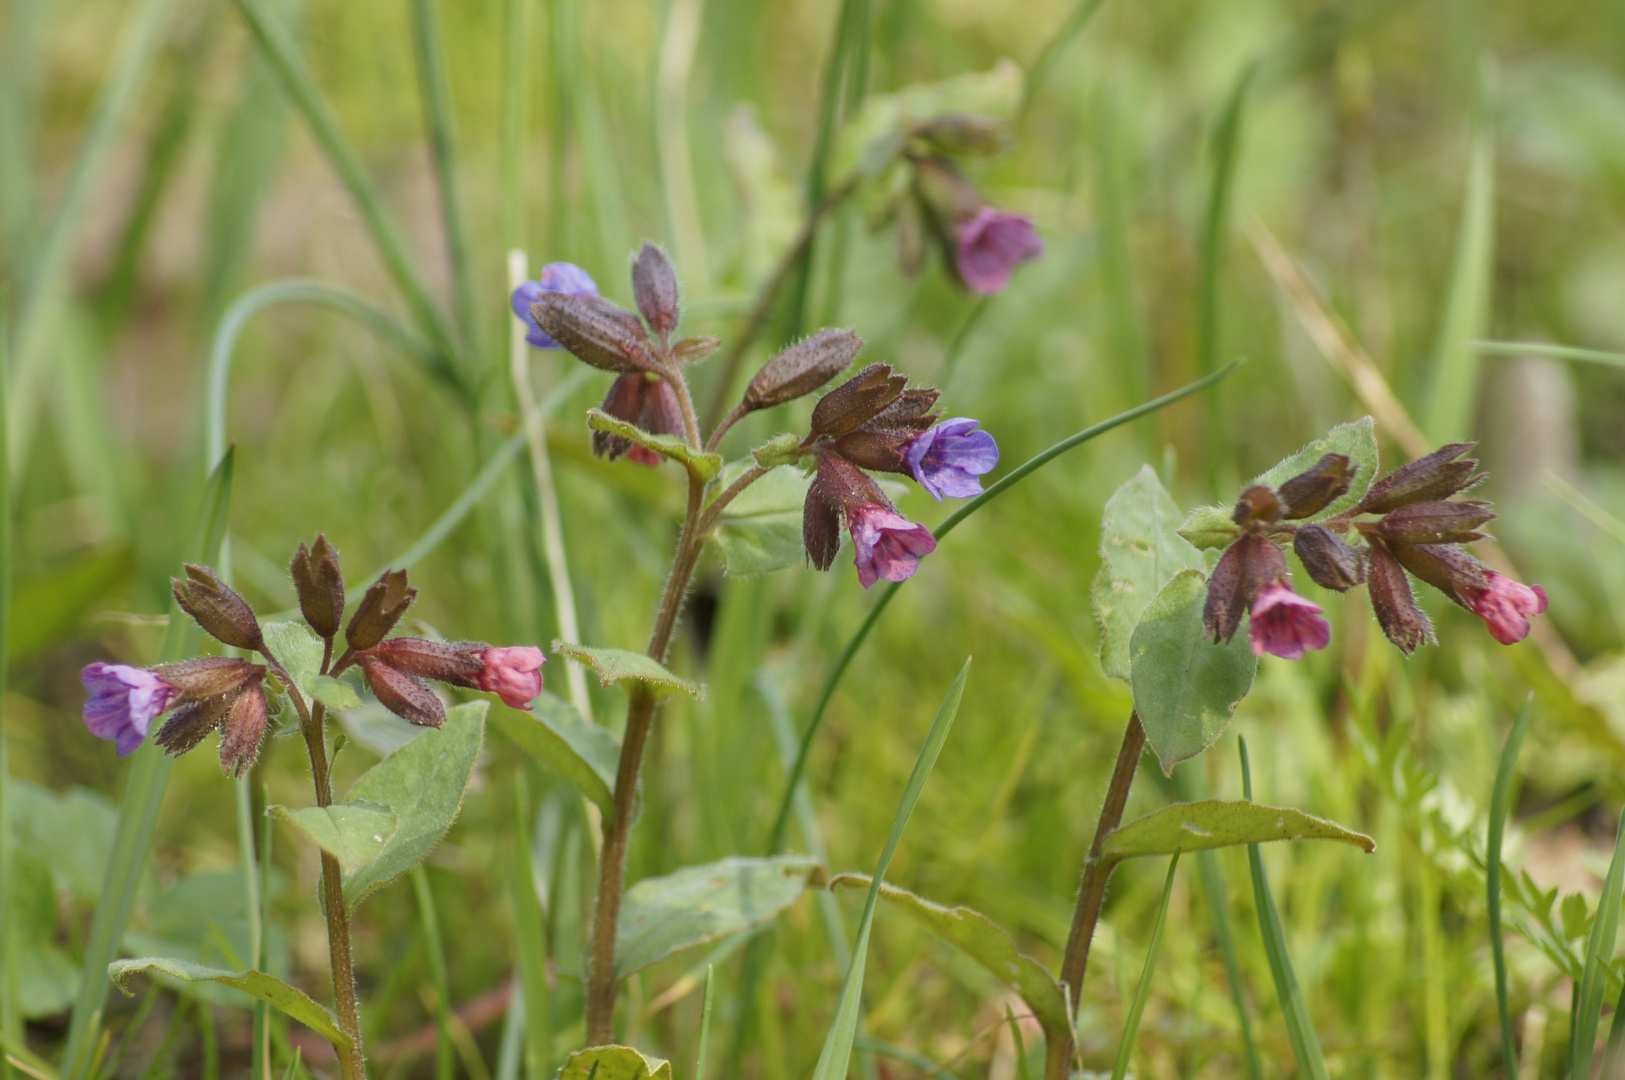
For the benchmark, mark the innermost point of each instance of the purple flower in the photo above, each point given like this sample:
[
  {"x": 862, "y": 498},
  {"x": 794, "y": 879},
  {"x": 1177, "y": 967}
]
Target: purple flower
[
  {"x": 123, "y": 703},
  {"x": 1505, "y": 606},
  {"x": 556, "y": 277},
  {"x": 947, "y": 459},
  {"x": 1285, "y": 624},
  {"x": 513, "y": 673},
  {"x": 991, "y": 243},
  {"x": 888, "y": 544}
]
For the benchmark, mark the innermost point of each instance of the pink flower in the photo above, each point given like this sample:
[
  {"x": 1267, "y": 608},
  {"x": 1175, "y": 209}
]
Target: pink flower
[
  {"x": 1285, "y": 624},
  {"x": 513, "y": 674},
  {"x": 991, "y": 242},
  {"x": 1505, "y": 606},
  {"x": 124, "y": 701},
  {"x": 888, "y": 544}
]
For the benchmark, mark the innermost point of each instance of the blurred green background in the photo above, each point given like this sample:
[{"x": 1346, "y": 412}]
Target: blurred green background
[{"x": 1443, "y": 171}]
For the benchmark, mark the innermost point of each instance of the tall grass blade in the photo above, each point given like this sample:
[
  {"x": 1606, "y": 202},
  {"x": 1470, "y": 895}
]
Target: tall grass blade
[
  {"x": 244, "y": 805},
  {"x": 1051, "y": 53},
  {"x": 143, "y": 797},
  {"x": 518, "y": 18},
  {"x": 1131, "y": 1025},
  {"x": 678, "y": 43},
  {"x": 445, "y": 1065},
  {"x": 1588, "y": 995},
  {"x": 1556, "y": 352},
  {"x": 530, "y": 944},
  {"x": 837, "y": 1052},
  {"x": 1499, "y": 796},
  {"x": 1215, "y": 222},
  {"x": 705, "y": 1023},
  {"x": 1299, "y": 1028},
  {"x": 10, "y": 1030}
]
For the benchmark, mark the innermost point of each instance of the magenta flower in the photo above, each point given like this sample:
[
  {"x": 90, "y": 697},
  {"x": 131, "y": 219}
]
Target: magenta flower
[
  {"x": 991, "y": 243},
  {"x": 123, "y": 703},
  {"x": 514, "y": 674},
  {"x": 947, "y": 459},
  {"x": 888, "y": 544},
  {"x": 1285, "y": 624},
  {"x": 556, "y": 277},
  {"x": 1505, "y": 606}
]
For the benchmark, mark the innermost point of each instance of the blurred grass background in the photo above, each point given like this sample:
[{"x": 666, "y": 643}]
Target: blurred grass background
[{"x": 1444, "y": 171}]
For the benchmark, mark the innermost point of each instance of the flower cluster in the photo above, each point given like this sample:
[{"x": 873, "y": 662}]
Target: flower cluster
[
  {"x": 229, "y": 694},
  {"x": 1408, "y": 520}
]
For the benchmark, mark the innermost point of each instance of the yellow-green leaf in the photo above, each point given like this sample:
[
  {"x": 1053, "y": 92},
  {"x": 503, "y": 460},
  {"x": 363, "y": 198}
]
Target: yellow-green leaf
[
  {"x": 1213, "y": 823},
  {"x": 704, "y": 465},
  {"x": 622, "y": 665}
]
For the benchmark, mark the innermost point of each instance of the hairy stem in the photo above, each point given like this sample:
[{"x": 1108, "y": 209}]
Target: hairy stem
[
  {"x": 740, "y": 411},
  {"x": 1092, "y": 892}
]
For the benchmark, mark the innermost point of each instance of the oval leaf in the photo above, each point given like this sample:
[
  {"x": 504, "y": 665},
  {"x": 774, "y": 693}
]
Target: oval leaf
[
  {"x": 354, "y": 832},
  {"x": 1357, "y": 439},
  {"x": 299, "y": 651},
  {"x": 984, "y": 941},
  {"x": 1141, "y": 551},
  {"x": 291, "y": 1000},
  {"x": 622, "y": 665},
  {"x": 698, "y": 904},
  {"x": 1212, "y": 823},
  {"x": 614, "y": 1063},
  {"x": 760, "y": 531},
  {"x": 1185, "y": 686},
  {"x": 703, "y": 465},
  {"x": 555, "y": 734},
  {"x": 1210, "y": 527}
]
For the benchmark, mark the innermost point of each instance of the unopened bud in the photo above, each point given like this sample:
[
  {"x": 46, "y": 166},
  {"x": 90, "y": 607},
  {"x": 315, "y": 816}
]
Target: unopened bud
[
  {"x": 440, "y": 660},
  {"x": 1331, "y": 563},
  {"x": 1245, "y": 567},
  {"x": 243, "y": 731},
  {"x": 217, "y": 608},
  {"x": 594, "y": 331},
  {"x": 1427, "y": 479},
  {"x": 820, "y": 527},
  {"x": 319, "y": 586},
  {"x": 404, "y": 695},
  {"x": 966, "y": 136},
  {"x": 1436, "y": 522},
  {"x": 1447, "y": 568},
  {"x": 1317, "y": 487},
  {"x": 209, "y": 676},
  {"x": 187, "y": 725},
  {"x": 802, "y": 368},
  {"x": 1258, "y": 505},
  {"x": 845, "y": 485},
  {"x": 654, "y": 286},
  {"x": 1402, "y": 622},
  {"x": 691, "y": 350},
  {"x": 386, "y": 600},
  {"x": 782, "y": 449},
  {"x": 857, "y": 401}
]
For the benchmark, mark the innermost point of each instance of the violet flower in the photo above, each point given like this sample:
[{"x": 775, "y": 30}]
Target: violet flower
[
  {"x": 556, "y": 277},
  {"x": 123, "y": 703},
  {"x": 888, "y": 544},
  {"x": 1285, "y": 624},
  {"x": 990, "y": 244},
  {"x": 1505, "y": 606},
  {"x": 948, "y": 458},
  {"x": 513, "y": 674}
]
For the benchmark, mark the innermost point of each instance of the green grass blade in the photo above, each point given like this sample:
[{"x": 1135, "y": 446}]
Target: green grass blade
[
  {"x": 1226, "y": 140},
  {"x": 1051, "y": 53},
  {"x": 244, "y": 805},
  {"x": 1492, "y": 861},
  {"x": 445, "y": 1065},
  {"x": 1588, "y": 996},
  {"x": 1300, "y": 1029},
  {"x": 1131, "y": 1027},
  {"x": 678, "y": 42},
  {"x": 518, "y": 17},
  {"x": 705, "y": 1022},
  {"x": 781, "y": 822},
  {"x": 1585, "y": 507},
  {"x": 143, "y": 797},
  {"x": 530, "y": 944},
  {"x": 1556, "y": 352},
  {"x": 837, "y": 1052}
]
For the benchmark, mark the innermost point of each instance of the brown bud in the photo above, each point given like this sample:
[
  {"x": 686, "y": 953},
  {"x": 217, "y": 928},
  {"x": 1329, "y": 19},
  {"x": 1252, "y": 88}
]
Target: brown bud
[
  {"x": 881, "y": 451},
  {"x": 966, "y": 136},
  {"x": 319, "y": 586},
  {"x": 217, "y": 608},
  {"x": 1427, "y": 479},
  {"x": 1258, "y": 505},
  {"x": 624, "y": 402},
  {"x": 455, "y": 663},
  {"x": 911, "y": 410},
  {"x": 857, "y": 401},
  {"x": 404, "y": 695},
  {"x": 188, "y": 724},
  {"x": 1436, "y": 522},
  {"x": 594, "y": 331},
  {"x": 802, "y": 368},
  {"x": 1447, "y": 568},
  {"x": 243, "y": 731},
  {"x": 385, "y": 601},
  {"x": 846, "y": 485},
  {"x": 1405, "y": 624},
  {"x": 654, "y": 287},
  {"x": 1331, "y": 563},
  {"x": 1317, "y": 487},
  {"x": 820, "y": 527},
  {"x": 208, "y": 676},
  {"x": 1245, "y": 567},
  {"x": 691, "y": 350}
]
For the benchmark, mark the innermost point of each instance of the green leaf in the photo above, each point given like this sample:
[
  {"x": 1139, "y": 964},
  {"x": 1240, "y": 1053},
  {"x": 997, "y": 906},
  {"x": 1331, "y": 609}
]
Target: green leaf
[
  {"x": 1140, "y": 552},
  {"x": 984, "y": 941},
  {"x": 354, "y": 832},
  {"x": 760, "y": 531},
  {"x": 705, "y": 466},
  {"x": 292, "y": 1001},
  {"x": 555, "y": 734},
  {"x": 298, "y": 650},
  {"x": 336, "y": 694},
  {"x": 1599, "y": 948},
  {"x": 1210, "y": 527},
  {"x": 47, "y": 979},
  {"x": 614, "y": 1063},
  {"x": 422, "y": 784},
  {"x": 1357, "y": 439},
  {"x": 1185, "y": 686},
  {"x": 621, "y": 665},
  {"x": 1131, "y": 1026},
  {"x": 699, "y": 904},
  {"x": 1212, "y": 823}
]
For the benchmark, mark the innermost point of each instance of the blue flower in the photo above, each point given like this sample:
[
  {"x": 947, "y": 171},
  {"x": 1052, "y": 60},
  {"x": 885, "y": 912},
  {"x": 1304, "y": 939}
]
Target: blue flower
[
  {"x": 947, "y": 459},
  {"x": 556, "y": 277},
  {"x": 123, "y": 703}
]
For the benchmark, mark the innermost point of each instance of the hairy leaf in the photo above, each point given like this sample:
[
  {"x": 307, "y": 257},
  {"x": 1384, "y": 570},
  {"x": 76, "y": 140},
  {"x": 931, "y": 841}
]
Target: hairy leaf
[
  {"x": 290, "y": 1000},
  {"x": 353, "y": 832},
  {"x": 706, "y": 466},
  {"x": 1140, "y": 552},
  {"x": 1357, "y": 439},
  {"x": 555, "y": 734},
  {"x": 621, "y": 665},
  {"x": 1212, "y": 823},
  {"x": 614, "y": 1063}
]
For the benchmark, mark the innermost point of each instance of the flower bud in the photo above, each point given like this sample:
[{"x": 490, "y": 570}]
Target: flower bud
[
  {"x": 857, "y": 401},
  {"x": 385, "y": 601},
  {"x": 1331, "y": 563},
  {"x": 911, "y": 410},
  {"x": 1436, "y": 522},
  {"x": 188, "y": 724},
  {"x": 208, "y": 676},
  {"x": 1449, "y": 569},
  {"x": 691, "y": 350},
  {"x": 1258, "y": 505},
  {"x": 646, "y": 400},
  {"x": 1245, "y": 567},
  {"x": 243, "y": 731},
  {"x": 217, "y": 608},
  {"x": 404, "y": 695},
  {"x": 594, "y": 331},
  {"x": 820, "y": 527},
  {"x": 1427, "y": 479},
  {"x": 1316, "y": 488},
  {"x": 802, "y": 368},
  {"x": 966, "y": 136},
  {"x": 654, "y": 287},
  {"x": 319, "y": 586},
  {"x": 444, "y": 661},
  {"x": 1402, "y": 622}
]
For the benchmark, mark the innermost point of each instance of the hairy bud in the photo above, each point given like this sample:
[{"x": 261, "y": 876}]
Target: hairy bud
[
  {"x": 691, "y": 350},
  {"x": 594, "y": 331},
  {"x": 1402, "y": 622},
  {"x": 319, "y": 586},
  {"x": 654, "y": 286},
  {"x": 1245, "y": 567},
  {"x": 881, "y": 451},
  {"x": 857, "y": 401},
  {"x": 1258, "y": 505},
  {"x": 911, "y": 410},
  {"x": 217, "y": 608},
  {"x": 447, "y": 662},
  {"x": 1317, "y": 487},
  {"x": 1436, "y": 522},
  {"x": 1331, "y": 563},
  {"x": 404, "y": 695},
  {"x": 1427, "y": 479},
  {"x": 243, "y": 731},
  {"x": 802, "y": 368},
  {"x": 1447, "y": 568},
  {"x": 188, "y": 724},
  {"x": 966, "y": 136},
  {"x": 385, "y": 601},
  {"x": 209, "y": 676},
  {"x": 820, "y": 527}
]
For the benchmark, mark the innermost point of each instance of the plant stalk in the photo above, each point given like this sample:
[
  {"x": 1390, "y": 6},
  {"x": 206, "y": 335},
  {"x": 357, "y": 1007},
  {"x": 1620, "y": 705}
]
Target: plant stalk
[{"x": 1092, "y": 892}]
